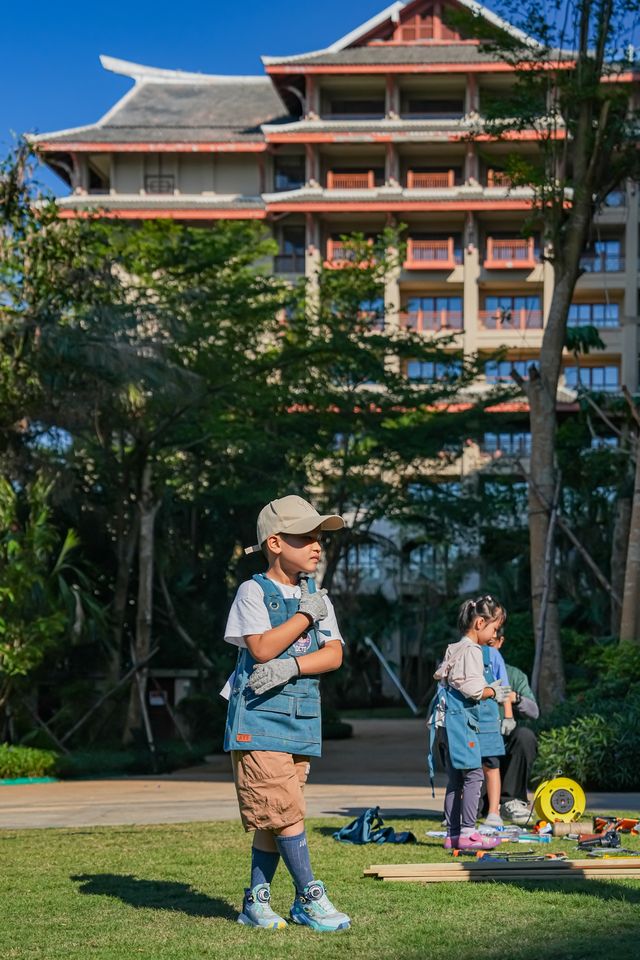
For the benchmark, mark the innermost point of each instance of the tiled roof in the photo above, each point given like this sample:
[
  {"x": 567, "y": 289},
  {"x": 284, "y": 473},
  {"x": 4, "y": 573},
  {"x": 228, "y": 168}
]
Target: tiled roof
[
  {"x": 178, "y": 109},
  {"x": 387, "y": 55},
  {"x": 158, "y": 201}
]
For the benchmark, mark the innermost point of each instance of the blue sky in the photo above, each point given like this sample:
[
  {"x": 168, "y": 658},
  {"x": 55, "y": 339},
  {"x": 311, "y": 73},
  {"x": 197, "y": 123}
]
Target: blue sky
[{"x": 51, "y": 77}]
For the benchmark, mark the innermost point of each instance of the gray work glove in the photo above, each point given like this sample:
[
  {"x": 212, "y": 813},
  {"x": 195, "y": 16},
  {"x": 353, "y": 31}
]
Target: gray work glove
[
  {"x": 502, "y": 692},
  {"x": 312, "y": 604},
  {"x": 273, "y": 673},
  {"x": 507, "y": 726}
]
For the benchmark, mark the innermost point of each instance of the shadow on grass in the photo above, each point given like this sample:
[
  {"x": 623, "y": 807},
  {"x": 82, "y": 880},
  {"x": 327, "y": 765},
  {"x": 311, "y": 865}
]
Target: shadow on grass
[{"x": 154, "y": 894}]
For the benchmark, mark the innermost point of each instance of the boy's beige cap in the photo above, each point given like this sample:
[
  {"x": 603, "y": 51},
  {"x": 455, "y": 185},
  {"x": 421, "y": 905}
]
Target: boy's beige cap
[{"x": 291, "y": 515}]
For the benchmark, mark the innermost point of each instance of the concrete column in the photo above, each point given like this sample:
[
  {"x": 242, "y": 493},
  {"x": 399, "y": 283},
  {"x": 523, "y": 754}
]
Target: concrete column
[
  {"x": 630, "y": 332},
  {"x": 313, "y": 257},
  {"x": 80, "y": 173},
  {"x": 392, "y": 98},
  {"x": 471, "y": 171},
  {"x": 471, "y": 99},
  {"x": 312, "y": 165},
  {"x": 392, "y": 166},
  {"x": 312, "y": 98},
  {"x": 471, "y": 289}
]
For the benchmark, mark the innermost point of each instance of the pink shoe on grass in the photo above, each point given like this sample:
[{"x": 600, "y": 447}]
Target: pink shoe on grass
[{"x": 471, "y": 841}]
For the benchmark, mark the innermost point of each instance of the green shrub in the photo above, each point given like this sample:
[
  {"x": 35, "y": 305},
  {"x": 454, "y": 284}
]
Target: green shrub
[
  {"x": 170, "y": 755},
  {"x": 599, "y": 750},
  {"x": 18, "y": 762}
]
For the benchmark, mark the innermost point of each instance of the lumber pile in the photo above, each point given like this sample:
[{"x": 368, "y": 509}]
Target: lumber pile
[{"x": 617, "y": 868}]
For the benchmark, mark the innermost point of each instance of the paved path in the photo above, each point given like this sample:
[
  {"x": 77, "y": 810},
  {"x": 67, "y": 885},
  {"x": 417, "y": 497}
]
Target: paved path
[{"x": 382, "y": 765}]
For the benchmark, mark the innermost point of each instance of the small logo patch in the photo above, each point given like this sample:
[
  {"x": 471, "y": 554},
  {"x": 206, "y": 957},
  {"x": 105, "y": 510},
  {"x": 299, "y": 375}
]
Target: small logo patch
[
  {"x": 472, "y": 743},
  {"x": 243, "y": 738},
  {"x": 302, "y": 644}
]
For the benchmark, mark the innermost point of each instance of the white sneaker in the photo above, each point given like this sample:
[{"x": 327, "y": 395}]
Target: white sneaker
[
  {"x": 493, "y": 820},
  {"x": 517, "y": 811}
]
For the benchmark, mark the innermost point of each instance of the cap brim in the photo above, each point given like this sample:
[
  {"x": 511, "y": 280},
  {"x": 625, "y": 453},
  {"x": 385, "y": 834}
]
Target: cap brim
[{"x": 330, "y": 521}]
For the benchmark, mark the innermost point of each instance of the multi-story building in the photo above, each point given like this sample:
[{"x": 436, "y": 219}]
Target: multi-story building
[{"x": 371, "y": 130}]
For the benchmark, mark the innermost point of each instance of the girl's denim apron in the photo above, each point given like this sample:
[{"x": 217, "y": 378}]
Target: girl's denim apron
[
  {"x": 491, "y": 742},
  {"x": 286, "y": 719}
]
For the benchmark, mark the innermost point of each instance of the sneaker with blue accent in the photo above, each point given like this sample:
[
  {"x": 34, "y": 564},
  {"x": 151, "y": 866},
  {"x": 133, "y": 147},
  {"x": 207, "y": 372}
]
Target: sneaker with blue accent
[
  {"x": 312, "y": 908},
  {"x": 256, "y": 909}
]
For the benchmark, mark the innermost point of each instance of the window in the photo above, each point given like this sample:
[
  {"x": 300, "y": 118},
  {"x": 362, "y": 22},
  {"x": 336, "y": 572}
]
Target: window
[
  {"x": 605, "y": 443},
  {"x": 373, "y": 311},
  {"x": 159, "y": 183},
  {"x": 605, "y": 378},
  {"x": 366, "y": 559},
  {"x": 512, "y": 303},
  {"x": 292, "y": 247},
  {"x": 594, "y": 315},
  {"x": 289, "y": 173},
  {"x": 499, "y": 371},
  {"x": 363, "y": 109},
  {"x": 430, "y": 372},
  {"x": 433, "y": 108},
  {"x": 605, "y": 258},
  {"x": 508, "y": 443}
]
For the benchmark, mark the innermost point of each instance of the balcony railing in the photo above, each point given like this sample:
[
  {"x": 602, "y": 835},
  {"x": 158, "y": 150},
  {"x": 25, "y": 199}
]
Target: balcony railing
[
  {"x": 498, "y": 178},
  {"x": 603, "y": 263},
  {"x": 289, "y": 263},
  {"x": 356, "y": 180},
  {"x": 430, "y": 181},
  {"x": 431, "y": 254},
  {"x": 432, "y": 321},
  {"x": 506, "y": 319},
  {"x": 506, "y": 254},
  {"x": 339, "y": 254}
]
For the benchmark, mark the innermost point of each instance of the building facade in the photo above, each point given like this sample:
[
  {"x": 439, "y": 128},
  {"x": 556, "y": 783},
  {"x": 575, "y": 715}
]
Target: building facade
[{"x": 374, "y": 129}]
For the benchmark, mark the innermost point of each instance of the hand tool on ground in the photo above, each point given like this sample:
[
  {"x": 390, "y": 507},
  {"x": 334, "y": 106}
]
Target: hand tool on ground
[{"x": 609, "y": 839}]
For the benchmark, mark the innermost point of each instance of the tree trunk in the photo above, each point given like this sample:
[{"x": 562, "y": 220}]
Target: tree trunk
[
  {"x": 619, "y": 547},
  {"x": 144, "y": 619},
  {"x": 125, "y": 551},
  {"x": 630, "y": 618}
]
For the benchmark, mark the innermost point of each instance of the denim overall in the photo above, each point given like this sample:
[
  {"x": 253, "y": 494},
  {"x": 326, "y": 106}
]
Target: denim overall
[
  {"x": 286, "y": 719},
  {"x": 491, "y": 742}
]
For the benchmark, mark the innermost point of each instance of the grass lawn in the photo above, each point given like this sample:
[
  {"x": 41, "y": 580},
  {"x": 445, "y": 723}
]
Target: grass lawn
[{"x": 172, "y": 893}]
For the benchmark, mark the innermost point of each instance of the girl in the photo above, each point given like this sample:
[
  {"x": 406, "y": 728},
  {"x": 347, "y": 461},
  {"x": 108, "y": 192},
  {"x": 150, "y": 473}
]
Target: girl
[{"x": 462, "y": 687}]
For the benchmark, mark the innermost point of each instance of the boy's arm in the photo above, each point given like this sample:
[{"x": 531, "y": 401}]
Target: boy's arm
[
  {"x": 265, "y": 646},
  {"x": 324, "y": 660}
]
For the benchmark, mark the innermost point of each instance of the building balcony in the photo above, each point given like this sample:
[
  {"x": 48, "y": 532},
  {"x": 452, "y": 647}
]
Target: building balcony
[
  {"x": 498, "y": 178},
  {"x": 340, "y": 254},
  {"x": 430, "y": 181},
  {"x": 509, "y": 254},
  {"x": 432, "y": 254},
  {"x": 521, "y": 319},
  {"x": 352, "y": 180},
  {"x": 433, "y": 321}
]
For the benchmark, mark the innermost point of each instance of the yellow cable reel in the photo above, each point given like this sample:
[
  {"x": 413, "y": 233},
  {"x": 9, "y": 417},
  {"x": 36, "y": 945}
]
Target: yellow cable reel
[{"x": 559, "y": 799}]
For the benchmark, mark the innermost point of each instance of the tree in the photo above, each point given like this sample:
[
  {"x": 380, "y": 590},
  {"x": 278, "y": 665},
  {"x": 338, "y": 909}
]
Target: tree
[{"x": 574, "y": 87}]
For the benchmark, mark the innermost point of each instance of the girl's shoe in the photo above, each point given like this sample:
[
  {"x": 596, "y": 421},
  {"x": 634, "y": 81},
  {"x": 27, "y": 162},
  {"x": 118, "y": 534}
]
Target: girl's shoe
[
  {"x": 471, "y": 841},
  {"x": 312, "y": 908},
  {"x": 256, "y": 909}
]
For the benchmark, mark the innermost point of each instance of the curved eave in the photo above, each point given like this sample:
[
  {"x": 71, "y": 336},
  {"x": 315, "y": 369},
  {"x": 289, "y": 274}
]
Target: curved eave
[
  {"x": 487, "y": 66},
  {"x": 178, "y": 146},
  {"x": 162, "y": 213},
  {"x": 395, "y": 206}
]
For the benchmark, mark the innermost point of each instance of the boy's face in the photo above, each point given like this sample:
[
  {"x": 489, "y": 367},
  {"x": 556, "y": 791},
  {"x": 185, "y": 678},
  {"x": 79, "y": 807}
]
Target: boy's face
[{"x": 297, "y": 552}]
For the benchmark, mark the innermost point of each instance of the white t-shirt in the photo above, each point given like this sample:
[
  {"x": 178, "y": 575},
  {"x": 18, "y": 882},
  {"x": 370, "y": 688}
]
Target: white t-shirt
[{"x": 249, "y": 615}]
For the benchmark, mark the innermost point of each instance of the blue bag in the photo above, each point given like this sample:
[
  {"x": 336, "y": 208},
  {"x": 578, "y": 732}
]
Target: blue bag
[{"x": 368, "y": 828}]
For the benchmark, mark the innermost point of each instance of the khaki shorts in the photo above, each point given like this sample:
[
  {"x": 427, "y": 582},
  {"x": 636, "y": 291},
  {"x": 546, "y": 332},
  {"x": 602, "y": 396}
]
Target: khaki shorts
[{"x": 270, "y": 788}]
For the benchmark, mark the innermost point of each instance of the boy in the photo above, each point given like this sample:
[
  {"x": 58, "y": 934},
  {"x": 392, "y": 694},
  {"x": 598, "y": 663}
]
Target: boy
[{"x": 273, "y": 721}]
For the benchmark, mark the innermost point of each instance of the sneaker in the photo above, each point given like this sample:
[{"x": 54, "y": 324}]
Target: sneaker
[
  {"x": 493, "y": 820},
  {"x": 312, "y": 908},
  {"x": 471, "y": 841},
  {"x": 517, "y": 811},
  {"x": 256, "y": 909}
]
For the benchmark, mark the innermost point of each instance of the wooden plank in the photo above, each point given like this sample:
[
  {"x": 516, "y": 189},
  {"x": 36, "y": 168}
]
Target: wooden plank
[
  {"x": 480, "y": 866},
  {"x": 540, "y": 877}
]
